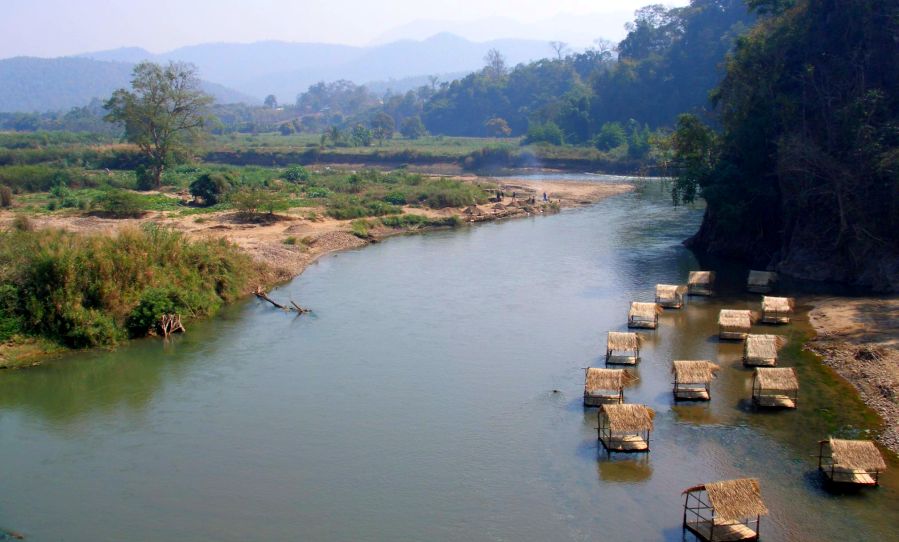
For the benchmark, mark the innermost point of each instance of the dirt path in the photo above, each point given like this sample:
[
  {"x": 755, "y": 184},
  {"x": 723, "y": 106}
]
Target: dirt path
[{"x": 859, "y": 338}]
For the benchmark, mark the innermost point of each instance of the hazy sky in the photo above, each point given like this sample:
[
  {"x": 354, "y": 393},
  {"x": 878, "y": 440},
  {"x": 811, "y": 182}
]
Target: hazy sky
[{"x": 61, "y": 27}]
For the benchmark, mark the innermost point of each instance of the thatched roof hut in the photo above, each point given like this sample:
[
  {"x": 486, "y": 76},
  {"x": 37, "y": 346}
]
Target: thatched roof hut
[
  {"x": 776, "y": 310},
  {"x": 855, "y": 462},
  {"x": 775, "y": 387},
  {"x": 623, "y": 348},
  {"x": 727, "y": 510},
  {"x": 625, "y": 428},
  {"x": 603, "y": 386},
  {"x": 761, "y": 350},
  {"x": 643, "y": 315},
  {"x": 700, "y": 282},
  {"x": 692, "y": 379},
  {"x": 670, "y": 296},
  {"x": 734, "y": 324},
  {"x": 761, "y": 281}
]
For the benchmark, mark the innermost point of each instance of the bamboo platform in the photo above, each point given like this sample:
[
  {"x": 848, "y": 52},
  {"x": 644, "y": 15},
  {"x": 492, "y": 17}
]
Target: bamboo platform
[
  {"x": 733, "y": 335},
  {"x": 722, "y": 532},
  {"x": 599, "y": 399},
  {"x": 621, "y": 360},
  {"x": 849, "y": 476},
  {"x": 626, "y": 443},
  {"x": 642, "y": 324},
  {"x": 774, "y": 401},
  {"x": 775, "y": 319},
  {"x": 690, "y": 393}
]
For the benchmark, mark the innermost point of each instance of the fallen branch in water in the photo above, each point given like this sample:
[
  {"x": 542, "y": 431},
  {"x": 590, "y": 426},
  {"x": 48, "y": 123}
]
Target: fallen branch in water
[{"x": 260, "y": 293}]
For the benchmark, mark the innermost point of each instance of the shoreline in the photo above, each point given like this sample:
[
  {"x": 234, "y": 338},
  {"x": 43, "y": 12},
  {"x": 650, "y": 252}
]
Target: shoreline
[
  {"x": 859, "y": 339},
  {"x": 288, "y": 243}
]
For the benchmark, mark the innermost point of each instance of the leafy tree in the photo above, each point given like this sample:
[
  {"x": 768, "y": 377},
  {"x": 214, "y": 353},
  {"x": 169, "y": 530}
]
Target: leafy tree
[
  {"x": 694, "y": 147},
  {"x": 413, "y": 128},
  {"x": 286, "y": 129},
  {"x": 544, "y": 133},
  {"x": 361, "y": 136},
  {"x": 296, "y": 174},
  {"x": 271, "y": 102},
  {"x": 164, "y": 110},
  {"x": 497, "y": 127},
  {"x": 382, "y": 127},
  {"x": 496, "y": 64},
  {"x": 610, "y": 136},
  {"x": 212, "y": 188}
]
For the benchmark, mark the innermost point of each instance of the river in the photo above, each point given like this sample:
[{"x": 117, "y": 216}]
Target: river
[{"x": 434, "y": 394}]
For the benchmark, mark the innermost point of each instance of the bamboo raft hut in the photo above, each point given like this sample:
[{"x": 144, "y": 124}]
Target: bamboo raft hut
[
  {"x": 625, "y": 428},
  {"x": 761, "y": 282},
  {"x": 724, "y": 511},
  {"x": 850, "y": 462},
  {"x": 670, "y": 296},
  {"x": 734, "y": 324},
  {"x": 604, "y": 386},
  {"x": 761, "y": 350},
  {"x": 700, "y": 282},
  {"x": 776, "y": 310},
  {"x": 692, "y": 379},
  {"x": 643, "y": 315},
  {"x": 775, "y": 388},
  {"x": 622, "y": 348}
]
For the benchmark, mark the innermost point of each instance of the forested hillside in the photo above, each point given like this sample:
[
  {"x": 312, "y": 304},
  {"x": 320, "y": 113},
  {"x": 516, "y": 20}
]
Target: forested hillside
[
  {"x": 666, "y": 65},
  {"x": 804, "y": 175}
]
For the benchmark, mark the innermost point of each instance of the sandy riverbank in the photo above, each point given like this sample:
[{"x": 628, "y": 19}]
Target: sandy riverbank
[
  {"x": 859, "y": 339},
  {"x": 290, "y": 241}
]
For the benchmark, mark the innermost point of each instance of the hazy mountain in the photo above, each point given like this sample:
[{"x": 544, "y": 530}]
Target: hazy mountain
[
  {"x": 53, "y": 84},
  {"x": 287, "y": 69},
  {"x": 579, "y": 31}
]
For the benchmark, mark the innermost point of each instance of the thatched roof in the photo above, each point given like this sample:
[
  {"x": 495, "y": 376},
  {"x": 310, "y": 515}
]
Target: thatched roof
[
  {"x": 781, "y": 378},
  {"x": 734, "y": 500},
  {"x": 701, "y": 277},
  {"x": 761, "y": 278},
  {"x": 693, "y": 371},
  {"x": 623, "y": 341},
  {"x": 628, "y": 418},
  {"x": 669, "y": 291},
  {"x": 603, "y": 379},
  {"x": 735, "y": 319},
  {"x": 763, "y": 346},
  {"x": 777, "y": 304},
  {"x": 644, "y": 310},
  {"x": 856, "y": 454}
]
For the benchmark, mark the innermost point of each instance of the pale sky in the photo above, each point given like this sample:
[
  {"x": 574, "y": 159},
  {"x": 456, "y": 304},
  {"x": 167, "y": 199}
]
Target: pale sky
[{"x": 51, "y": 28}]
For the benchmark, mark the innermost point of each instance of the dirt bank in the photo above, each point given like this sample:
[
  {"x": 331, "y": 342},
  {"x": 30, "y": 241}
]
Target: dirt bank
[{"x": 859, "y": 339}]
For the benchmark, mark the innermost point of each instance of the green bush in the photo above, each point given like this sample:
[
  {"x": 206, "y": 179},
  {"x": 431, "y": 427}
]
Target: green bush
[
  {"x": 84, "y": 290},
  {"x": 120, "y": 204},
  {"x": 296, "y": 174},
  {"x": 610, "y": 136},
  {"x": 5, "y": 196},
  {"x": 212, "y": 187},
  {"x": 544, "y": 133},
  {"x": 395, "y": 198},
  {"x": 154, "y": 303}
]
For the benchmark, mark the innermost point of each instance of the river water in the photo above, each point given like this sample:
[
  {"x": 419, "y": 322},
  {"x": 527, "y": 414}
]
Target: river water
[{"x": 434, "y": 394}]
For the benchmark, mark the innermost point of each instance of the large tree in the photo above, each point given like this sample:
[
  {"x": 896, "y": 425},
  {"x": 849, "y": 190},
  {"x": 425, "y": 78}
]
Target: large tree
[{"x": 164, "y": 110}]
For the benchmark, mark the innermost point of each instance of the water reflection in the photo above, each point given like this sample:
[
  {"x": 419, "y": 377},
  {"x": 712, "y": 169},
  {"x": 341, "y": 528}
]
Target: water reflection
[{"x": 623, "y": 470}]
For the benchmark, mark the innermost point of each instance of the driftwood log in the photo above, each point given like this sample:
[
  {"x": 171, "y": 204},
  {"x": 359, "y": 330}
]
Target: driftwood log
[{"x": 260, "y": 293}]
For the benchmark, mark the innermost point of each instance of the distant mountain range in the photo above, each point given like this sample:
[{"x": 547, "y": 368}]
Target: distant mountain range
[
  {"x": 30, "y": 84},
  {"x": 249, "y": 72},
  {"x": 287, "y": 69}
]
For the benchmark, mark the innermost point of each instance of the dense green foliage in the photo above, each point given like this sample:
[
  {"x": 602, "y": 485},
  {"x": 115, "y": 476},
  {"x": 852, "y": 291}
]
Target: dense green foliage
[
  {"x": 83, "y": 290},
  {"x": 804, "y": 175}
]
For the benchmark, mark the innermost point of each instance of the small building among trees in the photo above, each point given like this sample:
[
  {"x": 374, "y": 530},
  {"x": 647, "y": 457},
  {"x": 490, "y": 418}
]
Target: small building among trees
[
  {"x": 643, "y": 315},
  {"x": 625, "y": 428},
  {"x": 724, "y": 511},
  {"x": 622, "y": 348},
  {"x": 670, "y": 296},
  {"x": 850, "y": 462},
  {"x": 775, "y": 387},
  {"x": 700, "y": 282}
]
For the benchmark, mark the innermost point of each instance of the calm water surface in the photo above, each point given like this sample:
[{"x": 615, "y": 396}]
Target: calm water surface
[{"x": 435, "y": 394}]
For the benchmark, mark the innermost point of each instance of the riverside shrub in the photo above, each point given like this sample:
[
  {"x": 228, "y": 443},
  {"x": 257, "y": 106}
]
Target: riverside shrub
[{"x": 85, "y": 290}]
